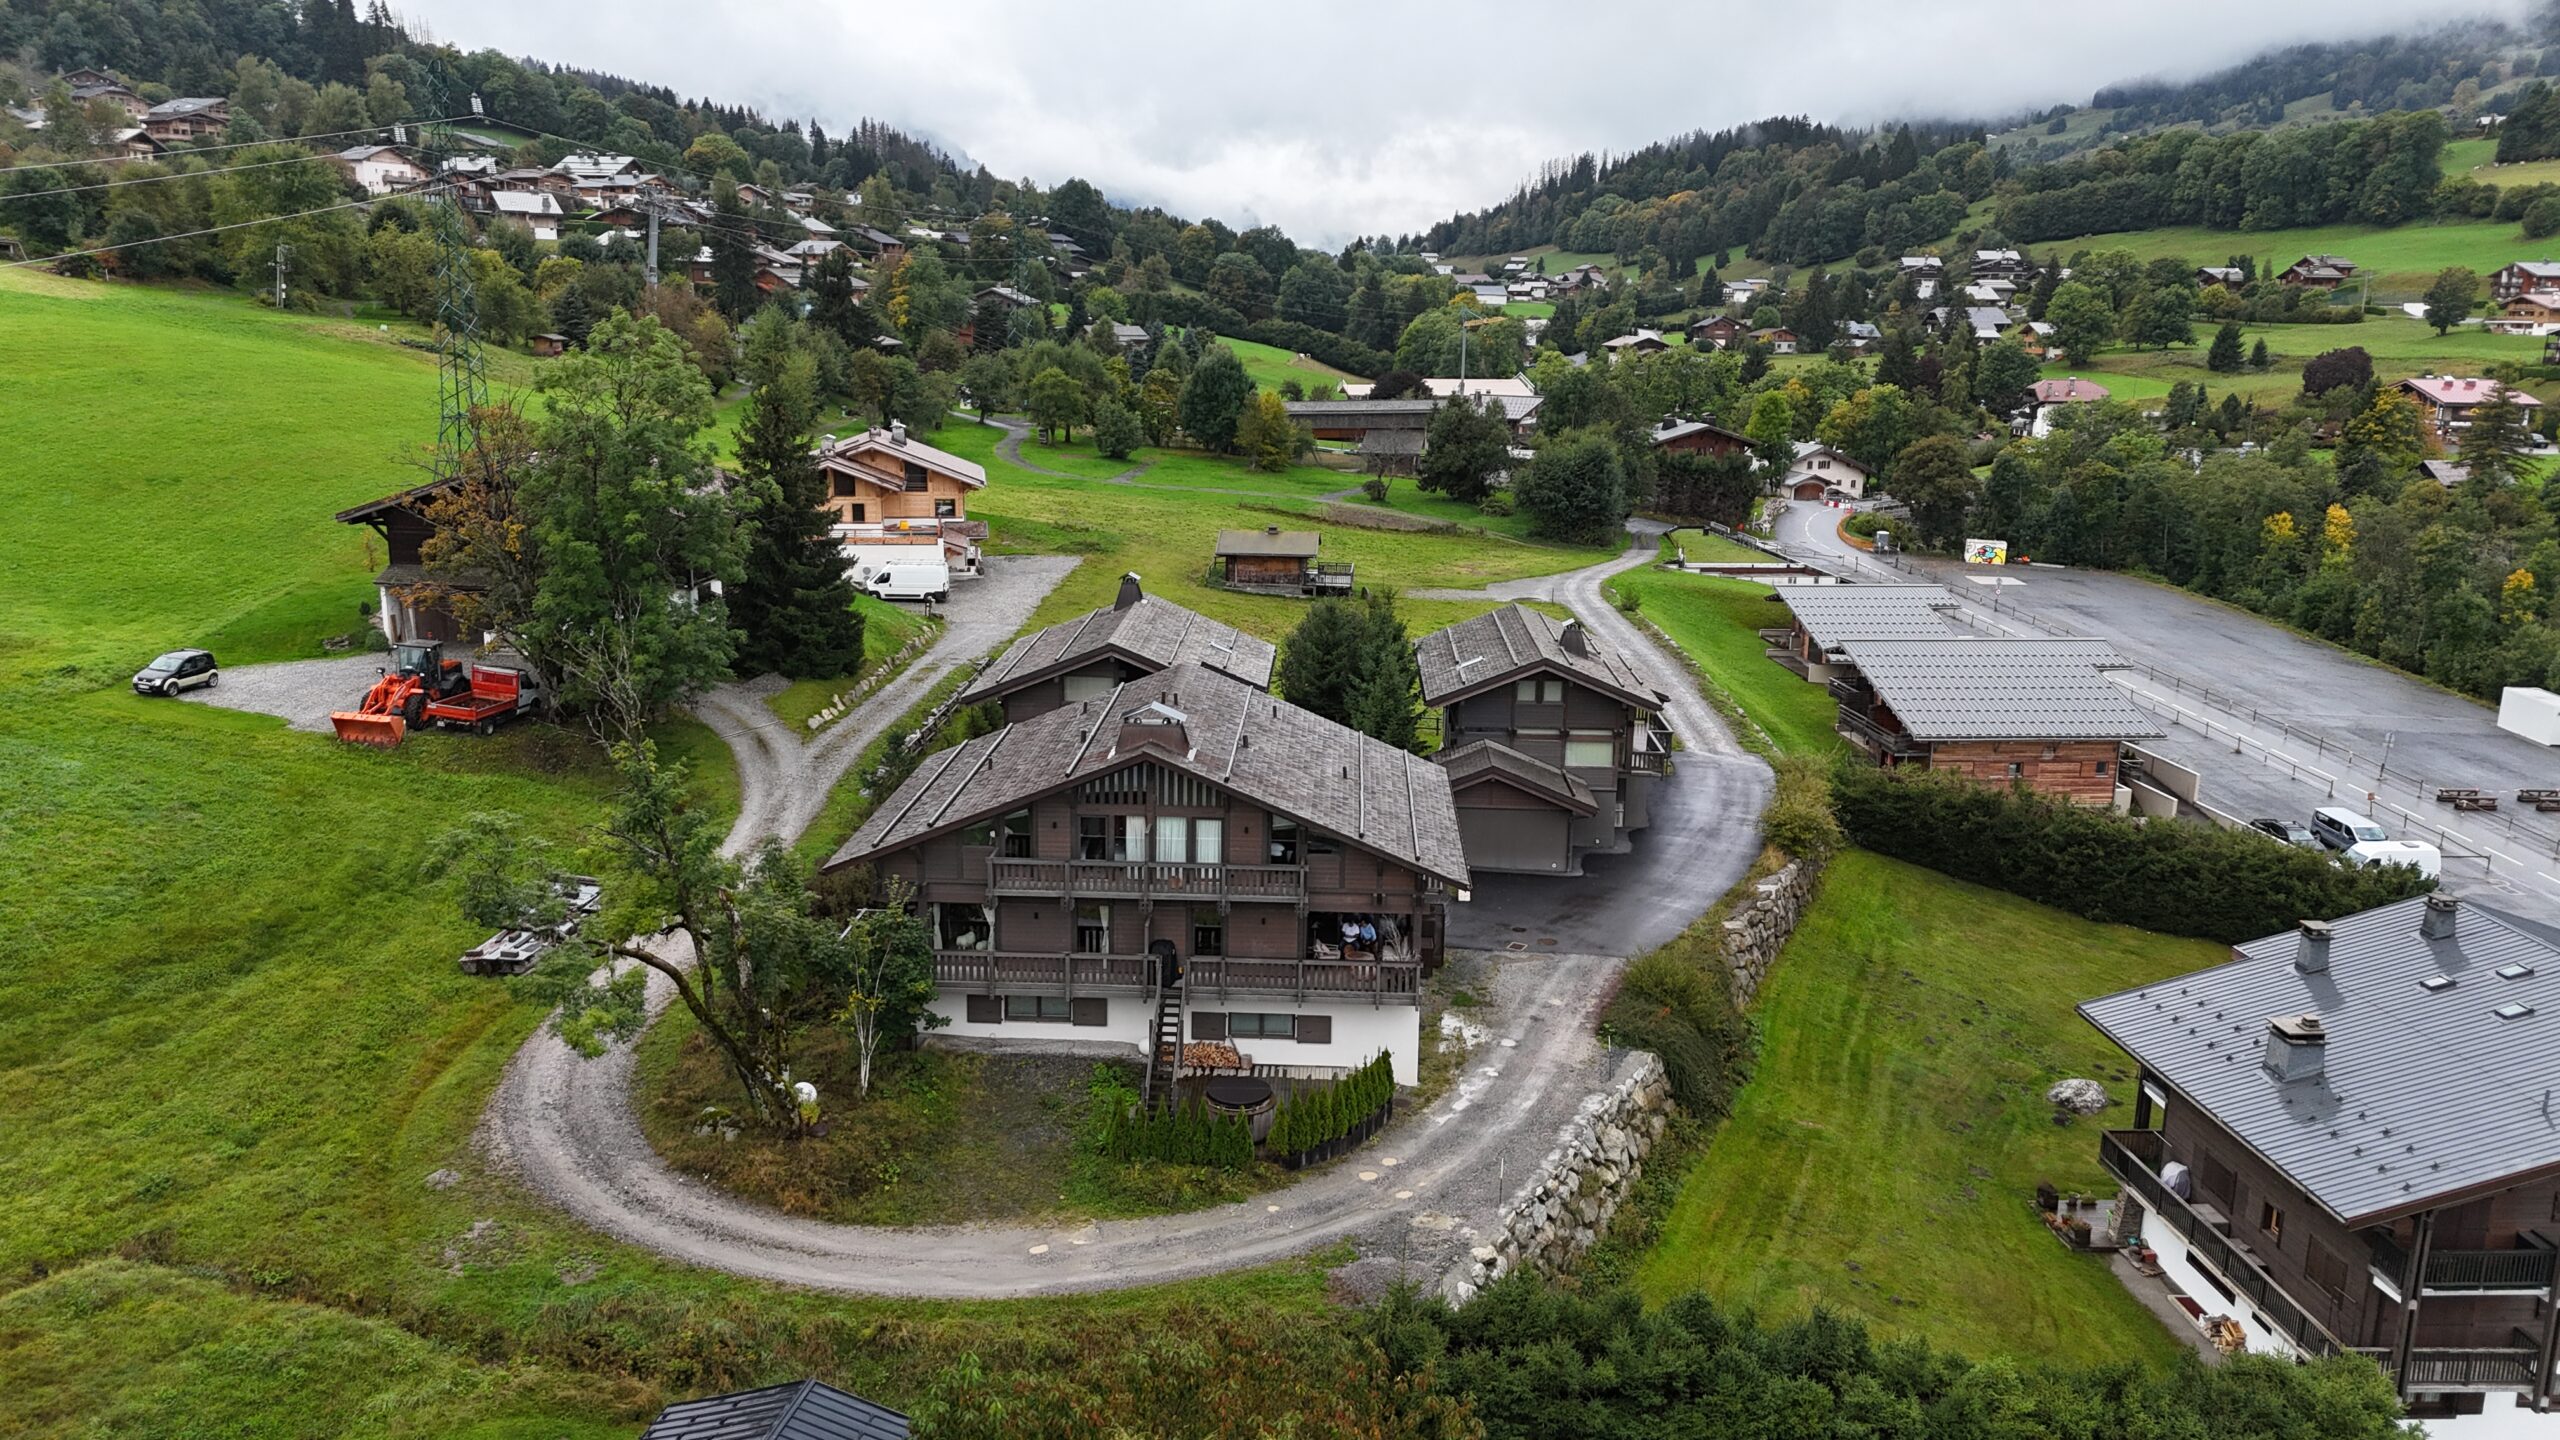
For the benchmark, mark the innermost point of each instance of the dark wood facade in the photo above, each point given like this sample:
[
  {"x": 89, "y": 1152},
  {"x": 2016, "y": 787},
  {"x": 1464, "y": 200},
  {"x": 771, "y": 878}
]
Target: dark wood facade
[
  {"x": 2082, "y": 771},
  {"x": 1553, "y": 717}
]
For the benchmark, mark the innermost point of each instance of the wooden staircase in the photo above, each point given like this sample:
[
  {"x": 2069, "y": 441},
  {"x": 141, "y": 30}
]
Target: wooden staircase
[{"x": 1164, "y": 1051}]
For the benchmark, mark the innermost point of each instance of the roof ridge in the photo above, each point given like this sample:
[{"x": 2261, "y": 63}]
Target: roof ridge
[
  {"x": 948, "y": 756},
  {"x": 1107, "y": 707},
  {"x": 1235, "y": 748},
  {"x": 799, "y": 1392},
  {"x": 957, "y": 790}
]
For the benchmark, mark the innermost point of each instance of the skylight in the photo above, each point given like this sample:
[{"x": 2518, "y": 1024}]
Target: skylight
[
  {"x": 2437, "y": 982},
  {"x": 2513, "y": 1010},
  {"x": 2516, "y": 971}
]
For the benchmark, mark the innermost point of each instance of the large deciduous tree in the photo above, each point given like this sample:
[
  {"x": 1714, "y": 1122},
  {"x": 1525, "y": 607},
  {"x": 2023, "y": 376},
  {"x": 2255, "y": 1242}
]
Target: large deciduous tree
[
  {"x": 2083, "y": 320},
  {"x": 1575, "y": 490},
  {"x": 1468, "y": 443},
  {"x": 2449, "y": 297},
  {"x": 1213, "y": 399}
]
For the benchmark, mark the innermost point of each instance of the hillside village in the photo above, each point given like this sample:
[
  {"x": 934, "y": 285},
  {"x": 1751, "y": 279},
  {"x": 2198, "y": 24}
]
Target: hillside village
[{"x": 1806, "y": 780}]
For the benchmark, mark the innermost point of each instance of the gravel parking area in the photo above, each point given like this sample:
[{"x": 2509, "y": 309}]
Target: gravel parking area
[{"x": 301, "y": 692}]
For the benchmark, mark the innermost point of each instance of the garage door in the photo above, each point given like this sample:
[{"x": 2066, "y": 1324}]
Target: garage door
[{"x": 1514, "y": 840}]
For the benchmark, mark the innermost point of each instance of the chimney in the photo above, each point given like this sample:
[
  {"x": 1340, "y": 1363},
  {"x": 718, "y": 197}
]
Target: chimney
[
  {"x": 1130, "y": 593},
  {"x": 897, "y": 432},
  {"x": 2436, "y": 921},
  {"x": 2311, "y": 953},
  {"x": 2297, "y": 1048},
  {"x": 1572, "y": 638}
]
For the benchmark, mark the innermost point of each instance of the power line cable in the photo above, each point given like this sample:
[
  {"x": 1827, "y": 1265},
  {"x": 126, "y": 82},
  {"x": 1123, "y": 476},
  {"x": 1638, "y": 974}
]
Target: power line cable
[
  {"x": 211, "y": 149},
  {"x": 185, "y": 235}
]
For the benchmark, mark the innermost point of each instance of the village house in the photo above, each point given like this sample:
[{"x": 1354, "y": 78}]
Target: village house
[
  {"x": 1717, "y": 331},
  {"x": 2047, "y": 396},
  {"x": 2450, "y": 399},
  {"x": 87, "y": 85},
  {"x": 1353, "y": 420},
  {"x": 1744, "y": 292},
  {"x": 2220, "y": 277},
  {"x": 195, "y": 117},
  {"x": 2342, "y": 1143},
  {"x": 886, "y": 491},
  {"x": 2035, "y": 337},
  {"x": 1089, "y": 656},
  {"x": 2319, "y": 272},
  {"x": 1922, "y": 266},
  {"x": 1858, "y": 337},
  {"x": 2519, "y": 276},
  {"x": 1674, "y": 436},
  {"x": 1273, "y": 561},
  {"x": 1988, "y": 322},
  {"x": 2006, "y": 265},
  {"x": 1549, "y": 737},
  {"x": 381, "y": 169},
  {"x": 135, "y": 143},
  {"x": 1519, "y": 399},
  {"x": 407, "y": 606},
  {"x": 1825, "y": 618},
  {"x": 1642, "y": 342},
  {"x": 1182, "y": 857},
  {"x": 547, "y": 345},
  {"x": 1127, "y": 339},
  {"x": 2039, "y": 713},
  {"x": 1777, "y": 340},
  {"x": 2535, "y": 312},
  {"x": 1819, "y": 472},
  {"x": 536, "y": 210}
]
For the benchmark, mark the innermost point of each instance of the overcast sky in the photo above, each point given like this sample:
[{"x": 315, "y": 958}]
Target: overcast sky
[{"x": 1333, "y": 119}]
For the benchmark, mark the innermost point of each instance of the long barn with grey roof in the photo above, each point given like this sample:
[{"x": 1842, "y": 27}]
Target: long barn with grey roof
[
  {"x": 2035, "y": 712},
  {"x": 2346, "y": 1138},
  {"x": 1138, "y": 634},
  {"x": 1551, "y": 736},
  {"x": 1183, "y": 851},
  {"x": 1828, "y": 616}
]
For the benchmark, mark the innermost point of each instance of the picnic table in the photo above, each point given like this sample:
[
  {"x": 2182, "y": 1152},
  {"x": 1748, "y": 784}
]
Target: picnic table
[
  {"x": 2475, "y": 802},
  {"x": 2455, "y": 794},
  {"x": 2546, "y": 801}
]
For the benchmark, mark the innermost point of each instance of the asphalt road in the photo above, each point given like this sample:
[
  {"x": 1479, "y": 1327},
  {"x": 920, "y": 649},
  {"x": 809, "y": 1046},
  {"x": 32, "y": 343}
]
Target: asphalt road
[{"x": 2328, "y": 716}]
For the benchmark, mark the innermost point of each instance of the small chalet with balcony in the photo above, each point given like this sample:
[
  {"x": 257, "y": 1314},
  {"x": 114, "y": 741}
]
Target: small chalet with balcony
[
  {"x": 2039, "y": 713},
  {"x": 1273, "y": 561},
  {"x": 2319, "y": 272},
  {"x": 1675, "y": 436},
  {"x": 1716, "y": 331},
  {"x": 194, "y": 117},
  {"x": 1550, "y": 739},
  {"x": 411, "y": 605},
  {"x": 1181, "y": 856},
  {"x": 1819, "y": 472},
  {"x": 886, "y": 491},
  {"x": 1083, "y": 659},
  {"x": 2344, "y": 1140}
]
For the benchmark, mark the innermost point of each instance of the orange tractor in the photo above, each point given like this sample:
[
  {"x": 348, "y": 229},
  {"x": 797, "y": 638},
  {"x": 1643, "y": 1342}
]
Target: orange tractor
[{"x": 418, "y": 676}]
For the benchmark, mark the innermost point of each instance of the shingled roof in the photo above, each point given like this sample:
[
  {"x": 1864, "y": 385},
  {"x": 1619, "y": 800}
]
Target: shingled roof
[
  {"x": 1199, "y": 722},
  {"x": 1979, "y": 689},
  {"x": 802, "y": 1410},
  {"x": 1141, "y": 630},
  {"x": 2427, "y": 1091},
  {"x": 1475, "y": 655},
  {"x": 1492, "y": 760}
]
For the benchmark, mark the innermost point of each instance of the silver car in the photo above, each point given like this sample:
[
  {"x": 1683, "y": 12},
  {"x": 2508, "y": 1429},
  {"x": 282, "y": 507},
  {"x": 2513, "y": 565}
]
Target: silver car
[{"x": 178, "y": 670}]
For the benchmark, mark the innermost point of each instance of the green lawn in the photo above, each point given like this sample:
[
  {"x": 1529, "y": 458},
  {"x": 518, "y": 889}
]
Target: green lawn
[
  {"x": 885, "y": 627},
  {"x": 1717, "y": 622},
  {"x": 2400, "y": 260},
  {"x": 1884, "y": 1157},
  {"x": 2400, "y": 345},
  {"x": 1269, "y": 365}
]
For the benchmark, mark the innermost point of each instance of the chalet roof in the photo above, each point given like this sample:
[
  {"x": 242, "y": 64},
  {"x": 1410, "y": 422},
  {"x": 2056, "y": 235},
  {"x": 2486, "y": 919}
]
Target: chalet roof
[
  {"x": 354, "y": 153},
  {"x": 1640, "y": 337},
  {"x": 1008, "y": 295},
  {"x": 1391, "y": 442},
  {"x": 1491, "y": 649},
  {"x": 1833, "y": 614},
  {"x": 2067, "y": 391},
  {"x": 371, "y": 510},
  {"x": 2458, "y": 391},
  {"x": 1807, "y": 449},
  {"x": 2538, "y": 269},
  {"x": 185, "y": 106},
  {"x": 1270, "y": 541},
  {"x": 1483, "y": 760},
  {"x": 525, "y": 202},
  {"x": 2426, "y": 1093},
  {"x": 802, "y": 1410},
  {"x": 902, "y": 446},
  {"x": 1149, "y": 632},
  {"x": 1672, "y": 427},
  {"x": 2447, "y": 473},
  {"x": 2230, "y": 273},
  {"x": 1266, "y": 751},
  {"x": 1392, "y": 414},
  {"x": 1957, "y": 687}
]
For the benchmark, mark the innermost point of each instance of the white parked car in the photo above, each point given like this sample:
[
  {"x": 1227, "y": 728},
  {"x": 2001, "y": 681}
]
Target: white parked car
[{"x": 2426, "y": 859}]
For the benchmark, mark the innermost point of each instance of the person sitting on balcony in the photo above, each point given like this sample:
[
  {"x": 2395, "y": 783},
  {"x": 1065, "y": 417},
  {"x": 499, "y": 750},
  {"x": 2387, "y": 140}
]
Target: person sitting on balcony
[
  {"x": 1350, "y": 932},
  {"x": 1368, "y": 933}
]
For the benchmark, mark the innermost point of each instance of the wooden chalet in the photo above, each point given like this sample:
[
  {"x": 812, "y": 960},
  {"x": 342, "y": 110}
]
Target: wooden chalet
[
  {"x": 2039, "y": 713},
  {"x": 2319, "y": 272},
  {"x": 1089, "y": 656},
  {"x": 2517, "y": 277},
  {"x": 410, "y": 606},
  {"x": 1273, "y": 561},
  {"x": 885, "y": 488},
  {"x": 1674, "y": 436}
]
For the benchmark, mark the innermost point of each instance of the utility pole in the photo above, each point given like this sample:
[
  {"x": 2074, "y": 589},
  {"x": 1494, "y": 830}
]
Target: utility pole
[
  {"x": 652, "y": 271},
  {"x": 282, "y": 251}
]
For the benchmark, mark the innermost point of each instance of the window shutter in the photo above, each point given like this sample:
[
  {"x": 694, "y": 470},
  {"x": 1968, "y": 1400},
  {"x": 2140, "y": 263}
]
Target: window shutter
[
  {"x": 1208, "y": 1025},
  {"x": 985, "y": 1010},
  {"x": 1315, "y": 1029},
  {"x": 1087, "y": 1011}
]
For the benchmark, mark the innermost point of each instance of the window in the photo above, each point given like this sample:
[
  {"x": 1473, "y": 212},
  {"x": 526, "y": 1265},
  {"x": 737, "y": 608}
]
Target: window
[
  {"x": 1093, "y": 929},
  {"x": 2016, "y": 770},
  {"x": 1111, "y": 837},
  {"x": 1245, "y": 1025},
  {"x": 2103, "y": 767},
  {"x": 1208, "y": 937},
  {"x": 1173, "y": 840},
  {"x": 1038, "y": 1007},
  {"x": 1081, "y": 688},
  {"x": 1191, "y": 840},
  {"x": 981, "y": 836},
  {"x": 963, "y": 927},
  {"x": 915, "y": 477},
  {"x": 1209, "y": 841},
  {"x": 1591, "y": 748},
  {"x": 844, "y": 487},
  {"x": 1538, "y": 692},
  {"x": 861, "y": 514},
  {"x": 2271, "y": 1220},
  {"x": 1284, "y": 841},
  {"x": 1014, "y": 836},
  {"x": 2328, "y": 1269},
  {"x": 1093, "y": 837},
  {"x": 946, "y": 509}
]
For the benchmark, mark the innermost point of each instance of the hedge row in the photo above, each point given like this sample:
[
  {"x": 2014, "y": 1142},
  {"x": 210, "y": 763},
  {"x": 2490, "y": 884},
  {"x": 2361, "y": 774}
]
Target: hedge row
[
  {"x": 1314, "y": 1118},
  {"x": 1188, "y": 1134},
  {"x": 2178, "y": 879}
]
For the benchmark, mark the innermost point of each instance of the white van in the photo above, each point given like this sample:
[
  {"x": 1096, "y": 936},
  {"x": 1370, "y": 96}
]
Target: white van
[
  {"x": 908, "y": 580},
  {"x": 2340, "y": 828},
  {"x": 2426, "y": 859}
]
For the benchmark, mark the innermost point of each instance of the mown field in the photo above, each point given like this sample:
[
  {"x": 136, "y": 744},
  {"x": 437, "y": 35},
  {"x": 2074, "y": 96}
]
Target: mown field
[
  {"x": 1270, "y": 366},
  {"x": 237, "y": 1046}
]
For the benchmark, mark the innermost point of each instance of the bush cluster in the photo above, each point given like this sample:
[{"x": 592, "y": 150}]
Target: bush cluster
[
  {"x": 1315, "y": 1117},
  {"x": 2178, "y": 879},
  {"x": 1186, "y": 1134}
]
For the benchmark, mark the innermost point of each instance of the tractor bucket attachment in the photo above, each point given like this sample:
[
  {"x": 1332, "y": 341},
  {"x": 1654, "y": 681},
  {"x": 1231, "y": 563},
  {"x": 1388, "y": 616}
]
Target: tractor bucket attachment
[{"x": 357, "y": 727}]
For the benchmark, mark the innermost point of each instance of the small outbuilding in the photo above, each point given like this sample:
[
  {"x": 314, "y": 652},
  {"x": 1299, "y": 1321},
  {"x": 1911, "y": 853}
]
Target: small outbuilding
[
  {"x": 801, "y": 1410},
  {"x": 1273, "y": 561}
]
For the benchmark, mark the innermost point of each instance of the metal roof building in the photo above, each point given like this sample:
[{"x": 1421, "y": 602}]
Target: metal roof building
[
  {"x": 1955, "y": 688},
  {"x": 1832, "y": 615},
  {"x": 802, "y": 1410}
]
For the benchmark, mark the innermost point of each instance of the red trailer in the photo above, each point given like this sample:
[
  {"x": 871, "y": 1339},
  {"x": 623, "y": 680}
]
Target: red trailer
[{"x": 497, "y": 694}]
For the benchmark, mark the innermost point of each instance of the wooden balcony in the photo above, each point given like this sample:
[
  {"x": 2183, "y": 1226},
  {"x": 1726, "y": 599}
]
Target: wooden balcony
[
  {"x": 1145, "y": 879},
  {"x": 990, "y": 972},
  {"x": 2135, "y": 1157},
  {"x": 1873, "y": 738},
  {"x": 2482, "y": 1371},
  {"x": 2526, "y": 1270},
  {"x": 1649, "y": 752}
]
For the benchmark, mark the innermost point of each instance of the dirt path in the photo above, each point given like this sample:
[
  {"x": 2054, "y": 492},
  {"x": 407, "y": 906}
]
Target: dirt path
[{"x": 1412, "y": 1200}]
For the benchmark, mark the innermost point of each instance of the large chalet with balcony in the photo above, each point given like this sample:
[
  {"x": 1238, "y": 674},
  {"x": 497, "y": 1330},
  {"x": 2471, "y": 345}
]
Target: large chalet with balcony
[
  {"x": 1551, "y": 739},
  {"x": 887, "y": 492},
  {"x": 2039, "y": 713},
  {"x": 2344, "y": 1139},
  {"x": 1181, "y": 856},
  {"x": 1091, "y": 655}
]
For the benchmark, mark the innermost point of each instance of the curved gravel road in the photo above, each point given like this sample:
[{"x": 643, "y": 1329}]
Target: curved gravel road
[{"x": 1413, "y": 1198}]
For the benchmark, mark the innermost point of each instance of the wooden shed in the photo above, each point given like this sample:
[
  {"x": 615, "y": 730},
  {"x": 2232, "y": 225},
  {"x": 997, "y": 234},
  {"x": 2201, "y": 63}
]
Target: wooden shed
[{"x": 1274, "y": 561}]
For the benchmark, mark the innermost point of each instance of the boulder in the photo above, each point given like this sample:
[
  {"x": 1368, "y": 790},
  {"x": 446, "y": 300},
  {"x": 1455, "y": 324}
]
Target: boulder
[{"x": 2078, "y": 1097}]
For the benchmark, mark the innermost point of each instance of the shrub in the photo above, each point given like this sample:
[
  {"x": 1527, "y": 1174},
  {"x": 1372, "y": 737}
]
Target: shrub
[
  {"x": 1799, "y": 818},
  {"x": 2178, "y": 879},
  {"x": 1375, "y": 487},
  {"x": 1496, "y": 503}
]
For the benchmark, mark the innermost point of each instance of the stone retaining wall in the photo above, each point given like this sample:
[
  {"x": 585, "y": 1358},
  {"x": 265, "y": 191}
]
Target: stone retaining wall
[
  {"x": 1566, "y": 1207},
  {"x": 1758, "y": 928}
]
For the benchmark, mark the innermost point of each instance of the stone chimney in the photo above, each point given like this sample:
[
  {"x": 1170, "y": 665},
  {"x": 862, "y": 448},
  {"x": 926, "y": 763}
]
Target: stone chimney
[
  {"x": 1130, "y": 593},
  {"x": 897, "y": 432},
  {"x": 2297, "y": 1048},
  {"x": 1572, "y": 638},
  {"x": 2311, "y": 951},
  {"x": 2436, "y": 921}
]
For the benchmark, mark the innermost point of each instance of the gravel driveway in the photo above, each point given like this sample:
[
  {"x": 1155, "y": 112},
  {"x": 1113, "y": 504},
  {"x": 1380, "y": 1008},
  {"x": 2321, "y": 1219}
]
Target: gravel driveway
[{"x": 303, "y": 692}]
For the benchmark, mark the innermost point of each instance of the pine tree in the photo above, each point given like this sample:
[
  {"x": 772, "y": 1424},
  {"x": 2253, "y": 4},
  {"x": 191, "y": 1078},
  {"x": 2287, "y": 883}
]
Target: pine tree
[
  {"x": 733, "y": 259},
  {"x": 571, "y": 317},
  {"x": 2224, "y": 357},
  {"x": 2259, "y": 359},
  {"x": 794, "y": 604},
  {"x": 2497, "y": 441}
]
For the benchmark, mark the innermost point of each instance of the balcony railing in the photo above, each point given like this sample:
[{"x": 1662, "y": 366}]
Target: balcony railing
[
  {"x": 994, "y": 971},
  {"x": 1135, "y": 878},
  {"x": 1649, "y": 751},
  {"x": 2525, "y": 1271},
  {"x": 2481, "y": 1370},
  {"x": 2134, "y": 1156},
  {"x": 1867, "y": 733}
]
